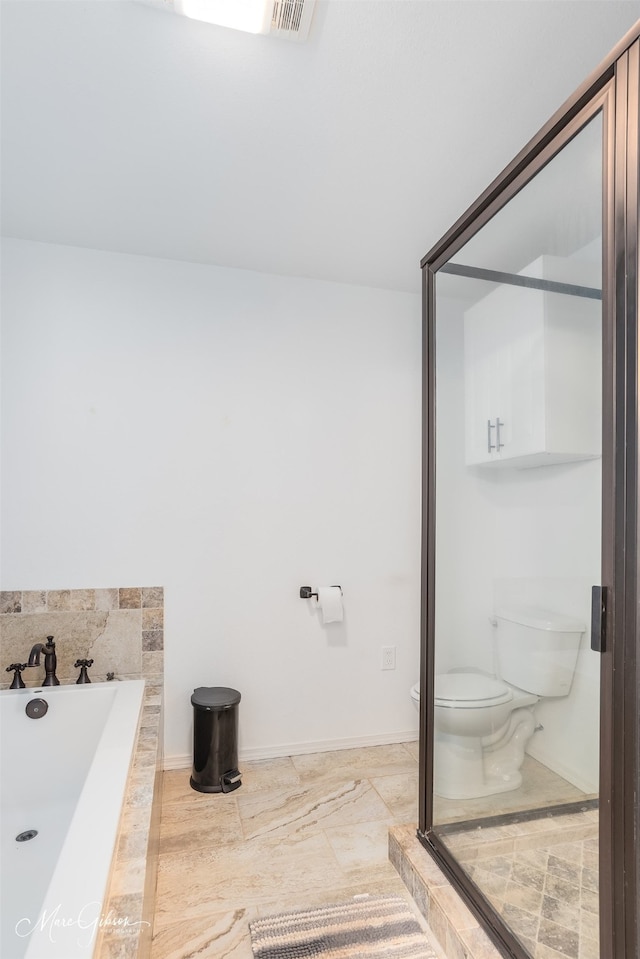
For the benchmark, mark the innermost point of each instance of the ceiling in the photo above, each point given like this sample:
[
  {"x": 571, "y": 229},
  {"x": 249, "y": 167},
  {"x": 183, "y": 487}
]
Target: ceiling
[{"x": 127, "y": 128}]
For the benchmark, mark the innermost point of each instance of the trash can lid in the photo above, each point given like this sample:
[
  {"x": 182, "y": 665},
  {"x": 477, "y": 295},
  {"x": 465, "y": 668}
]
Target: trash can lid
[{"x": 215, "y": 697}]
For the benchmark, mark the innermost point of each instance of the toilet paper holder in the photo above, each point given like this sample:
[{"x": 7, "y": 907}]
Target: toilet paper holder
[{"x": 306, "y": 592}]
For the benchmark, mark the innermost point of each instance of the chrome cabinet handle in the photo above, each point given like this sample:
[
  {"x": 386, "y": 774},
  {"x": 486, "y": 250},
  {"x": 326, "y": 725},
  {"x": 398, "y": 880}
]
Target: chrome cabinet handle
[
  {"x": 499, "y": 443},
  {"x": 490, "y": 446}
]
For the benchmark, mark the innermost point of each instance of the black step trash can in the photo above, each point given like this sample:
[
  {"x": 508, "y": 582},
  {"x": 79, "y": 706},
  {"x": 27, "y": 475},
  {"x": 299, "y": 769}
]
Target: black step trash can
[{"x": 215, "y": 739}]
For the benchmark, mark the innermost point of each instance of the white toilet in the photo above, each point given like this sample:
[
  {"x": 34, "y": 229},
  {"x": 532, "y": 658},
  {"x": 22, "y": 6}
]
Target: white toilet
[{"x": 482, "y": 724}]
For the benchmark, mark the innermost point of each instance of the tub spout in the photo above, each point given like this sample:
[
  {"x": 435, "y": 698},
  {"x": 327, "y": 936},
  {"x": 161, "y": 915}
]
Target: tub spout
[
  {"x": 34, "y": 655},
  {"x": 50, "y": 661}
]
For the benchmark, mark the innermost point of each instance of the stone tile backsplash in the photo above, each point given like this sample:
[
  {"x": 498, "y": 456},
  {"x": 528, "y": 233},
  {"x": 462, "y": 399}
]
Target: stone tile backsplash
[{"x": 122, "y": 630}]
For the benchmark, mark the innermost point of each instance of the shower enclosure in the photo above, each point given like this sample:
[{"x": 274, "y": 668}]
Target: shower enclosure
[{"x": 529, "y": 765}]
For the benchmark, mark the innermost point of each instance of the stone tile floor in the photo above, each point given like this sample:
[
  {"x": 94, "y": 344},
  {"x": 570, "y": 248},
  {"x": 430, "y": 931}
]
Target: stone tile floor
[
  {"x": 301, "y": 831},
  {"x": 542, "y": 877},
  {"x": 304, "y": 831}
]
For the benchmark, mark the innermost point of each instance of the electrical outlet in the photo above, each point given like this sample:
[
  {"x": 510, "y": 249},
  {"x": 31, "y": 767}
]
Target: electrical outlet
[{"x": 388, "y": 657}]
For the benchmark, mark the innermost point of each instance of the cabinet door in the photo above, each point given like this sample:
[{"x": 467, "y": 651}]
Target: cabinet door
[
  {"x": 481, "y": 368},
  {"x": 490, "y": 352},
  {"x": 524, "y": 416},
  {"x": 531, "y": 375}
]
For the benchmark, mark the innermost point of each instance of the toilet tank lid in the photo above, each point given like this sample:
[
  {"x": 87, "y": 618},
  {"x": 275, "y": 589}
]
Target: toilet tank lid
[{"x": 539, "y": 618}]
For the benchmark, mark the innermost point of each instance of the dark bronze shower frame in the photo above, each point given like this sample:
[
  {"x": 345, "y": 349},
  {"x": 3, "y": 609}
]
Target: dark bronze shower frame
[{"x": 613, "y": 90}]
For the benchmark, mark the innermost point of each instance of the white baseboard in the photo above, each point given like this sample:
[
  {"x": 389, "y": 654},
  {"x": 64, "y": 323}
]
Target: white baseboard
[{"x": 184, "y": 760}]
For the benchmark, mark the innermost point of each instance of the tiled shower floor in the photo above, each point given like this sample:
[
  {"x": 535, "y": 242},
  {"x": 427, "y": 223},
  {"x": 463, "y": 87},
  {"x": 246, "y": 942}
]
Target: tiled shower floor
[{"x": 542, "y": 877}]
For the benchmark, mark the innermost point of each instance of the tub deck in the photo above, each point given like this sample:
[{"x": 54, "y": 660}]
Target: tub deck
[{"x": 132, "y": 884}]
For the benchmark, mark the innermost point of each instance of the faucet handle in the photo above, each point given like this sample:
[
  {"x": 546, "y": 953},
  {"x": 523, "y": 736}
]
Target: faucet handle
[
  {"x": 84, "y": 664},
  {"x": 17, "y": 678}
]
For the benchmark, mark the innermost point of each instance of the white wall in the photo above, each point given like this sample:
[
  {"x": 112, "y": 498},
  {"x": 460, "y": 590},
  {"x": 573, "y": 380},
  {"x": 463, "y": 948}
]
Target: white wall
[
  {"x": 529, "y": 535},
  {"x": 230, "y": 436}
]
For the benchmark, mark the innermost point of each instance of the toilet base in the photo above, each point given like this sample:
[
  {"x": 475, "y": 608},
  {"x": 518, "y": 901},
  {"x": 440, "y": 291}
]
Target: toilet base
[
  {"x": 466, "y": 767},
  {"x": 478, "y": 790}
]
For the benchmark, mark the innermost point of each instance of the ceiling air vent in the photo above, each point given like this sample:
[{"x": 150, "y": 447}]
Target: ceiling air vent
[
  {"x": 291, "y": 19},
  {"x": 287, "y": 19}
]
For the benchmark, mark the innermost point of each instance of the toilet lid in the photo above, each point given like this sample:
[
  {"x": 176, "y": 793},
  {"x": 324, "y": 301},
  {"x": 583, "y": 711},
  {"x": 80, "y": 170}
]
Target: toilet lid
[{"x": 470, "y": 690}]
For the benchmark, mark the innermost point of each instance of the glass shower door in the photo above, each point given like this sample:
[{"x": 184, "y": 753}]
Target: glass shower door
[{"x": 518, "y": 547}]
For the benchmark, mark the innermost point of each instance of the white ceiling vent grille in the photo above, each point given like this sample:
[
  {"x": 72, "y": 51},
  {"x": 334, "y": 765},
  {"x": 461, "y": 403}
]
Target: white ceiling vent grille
[
  {"x": 291, "y": 19},
  {"x": 287, "y": 19}
]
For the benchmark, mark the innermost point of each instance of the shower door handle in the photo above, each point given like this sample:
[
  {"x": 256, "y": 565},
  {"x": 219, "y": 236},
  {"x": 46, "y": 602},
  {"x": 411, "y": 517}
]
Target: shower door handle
[{"x": 598, "y": 614}]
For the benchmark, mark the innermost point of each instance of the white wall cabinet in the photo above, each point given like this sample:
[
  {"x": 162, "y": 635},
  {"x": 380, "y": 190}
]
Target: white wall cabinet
[{"x": 533, "y": 372}]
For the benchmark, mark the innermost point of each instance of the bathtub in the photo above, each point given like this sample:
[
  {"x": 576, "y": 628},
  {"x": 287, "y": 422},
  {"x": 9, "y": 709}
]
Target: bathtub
[{"x": 63, "y": 774}]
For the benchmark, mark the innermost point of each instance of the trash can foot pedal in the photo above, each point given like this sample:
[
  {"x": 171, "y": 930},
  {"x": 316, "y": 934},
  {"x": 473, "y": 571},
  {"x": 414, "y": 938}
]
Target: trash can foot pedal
[{"x": 231, "y": 780}]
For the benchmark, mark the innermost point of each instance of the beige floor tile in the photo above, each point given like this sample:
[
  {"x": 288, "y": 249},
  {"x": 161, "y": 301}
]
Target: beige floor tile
[
  {"x": 400, "y": 795},
  {"x": 362, "y": 763},
  {"x": 217, "y": 878},
  {"x": 384, "y": 883},
  {"x": 538, "y": 858},
  {"x": 545, "y": 952},
  {"x": 413, "y": 749},
  {"x": 361, "y": 877},
  {"x": 361, "y": 845},
  {"x": 313, "y": 829},
  {"x": 523, "y": 923},
  {"x": 566, "y": 941},
  {"x": 208, "y": 937},
  {"x": 589, "y": 948},
  {"x": 523, "y": 897},
  {"x": 176, "y": 788},
  {"x": 492, "y": 885},
  {"x": 256, "y": 776},
  {"x": 270, "y": 774},
  {"x": 280, "y": 813},
  {"x": 299, "y": 832},
  {"x": 213, "y": 819},
  {"x": 589, "y": 925}
]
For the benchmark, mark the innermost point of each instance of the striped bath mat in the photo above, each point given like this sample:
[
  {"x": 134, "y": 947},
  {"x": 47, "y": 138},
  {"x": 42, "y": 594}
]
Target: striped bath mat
[{"x": 366, "y": 927}]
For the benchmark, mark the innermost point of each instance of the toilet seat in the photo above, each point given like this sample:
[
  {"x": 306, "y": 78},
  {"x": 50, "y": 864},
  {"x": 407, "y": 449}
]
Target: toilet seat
[{"x": 470, "y": 691}]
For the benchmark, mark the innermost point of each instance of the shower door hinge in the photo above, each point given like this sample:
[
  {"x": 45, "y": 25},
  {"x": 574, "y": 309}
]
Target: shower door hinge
[{"x": 598, "y": 618}]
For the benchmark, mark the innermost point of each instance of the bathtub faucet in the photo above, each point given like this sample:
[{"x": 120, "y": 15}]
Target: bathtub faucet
[{"x": 50, "y": 661}]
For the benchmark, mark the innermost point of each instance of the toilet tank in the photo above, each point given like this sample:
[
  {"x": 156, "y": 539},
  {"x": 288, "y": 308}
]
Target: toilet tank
[{"x": 537, "y": 649}]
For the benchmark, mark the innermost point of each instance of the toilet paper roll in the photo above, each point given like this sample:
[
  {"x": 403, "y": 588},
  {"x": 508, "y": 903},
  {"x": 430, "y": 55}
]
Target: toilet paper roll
[{"x": 330, "y": 603}]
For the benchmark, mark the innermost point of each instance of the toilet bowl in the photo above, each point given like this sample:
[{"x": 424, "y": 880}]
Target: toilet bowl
[
  {"x": 482, "y": 723},
  {"x": 482, "y": 726}
]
